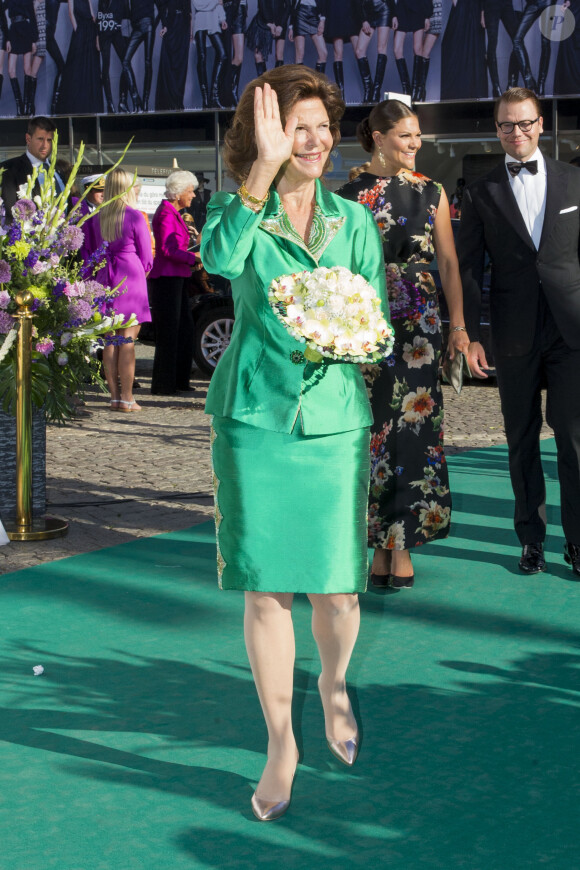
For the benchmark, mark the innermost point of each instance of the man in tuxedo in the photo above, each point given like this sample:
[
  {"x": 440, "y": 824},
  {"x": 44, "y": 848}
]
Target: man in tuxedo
[
  {"x": 16, "y": 170},
  {"x": 526, "y": 214}
]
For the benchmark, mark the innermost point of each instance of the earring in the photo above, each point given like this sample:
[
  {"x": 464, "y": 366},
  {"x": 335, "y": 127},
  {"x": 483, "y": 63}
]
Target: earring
[{"x": 382, "y": 160}]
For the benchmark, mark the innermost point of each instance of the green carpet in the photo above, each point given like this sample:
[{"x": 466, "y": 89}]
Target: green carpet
[{"x": 139, "y": 746}]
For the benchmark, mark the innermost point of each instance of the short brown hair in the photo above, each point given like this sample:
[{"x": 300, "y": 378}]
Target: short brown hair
[
  {"x": 517, "y": 95},
  {"x": 292, "y": 83},
  {"x": 382, "y": 118},
  {"x": 40, "y": 123}
]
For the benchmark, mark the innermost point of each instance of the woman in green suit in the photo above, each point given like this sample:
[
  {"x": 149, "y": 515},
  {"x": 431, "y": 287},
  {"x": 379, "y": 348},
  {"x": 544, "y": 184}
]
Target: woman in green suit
[{"x": 290, "y": 440}]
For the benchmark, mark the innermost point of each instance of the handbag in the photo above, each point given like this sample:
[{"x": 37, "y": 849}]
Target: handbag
[{"x": 454, "y": 370}]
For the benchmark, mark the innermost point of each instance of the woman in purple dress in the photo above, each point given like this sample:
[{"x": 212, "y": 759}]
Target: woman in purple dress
[{"x": 129, "y": 259}]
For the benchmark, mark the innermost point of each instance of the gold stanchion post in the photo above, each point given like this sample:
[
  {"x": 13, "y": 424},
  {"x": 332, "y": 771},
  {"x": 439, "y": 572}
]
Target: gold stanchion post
[{"x": 25, "y": 527}]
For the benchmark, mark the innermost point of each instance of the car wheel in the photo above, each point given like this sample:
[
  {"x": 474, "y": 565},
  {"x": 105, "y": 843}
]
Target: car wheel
[{"x": 212, "y": 336}]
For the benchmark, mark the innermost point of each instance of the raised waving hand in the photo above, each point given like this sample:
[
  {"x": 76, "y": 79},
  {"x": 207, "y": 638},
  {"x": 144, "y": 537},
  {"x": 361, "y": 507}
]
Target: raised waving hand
[{"x": 274, "y": 142}]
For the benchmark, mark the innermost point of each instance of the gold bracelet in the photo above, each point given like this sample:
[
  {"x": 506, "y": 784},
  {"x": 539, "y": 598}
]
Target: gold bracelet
[{"x": 252, "y": 202}]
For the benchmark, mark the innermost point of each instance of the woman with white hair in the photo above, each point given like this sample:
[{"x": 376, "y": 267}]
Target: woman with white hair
[
  {"x": 170, "y": 307},
  {"x": 129, "y": 259}
]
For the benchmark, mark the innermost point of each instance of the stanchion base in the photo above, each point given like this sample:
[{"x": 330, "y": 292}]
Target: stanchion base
[{"x": 40, "y": 529}]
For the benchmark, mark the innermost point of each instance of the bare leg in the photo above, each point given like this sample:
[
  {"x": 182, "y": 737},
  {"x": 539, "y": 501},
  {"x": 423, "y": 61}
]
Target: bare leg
[
  {"x": 111, "y": 367},
  {"x": 335, "y": 625},
  {"x": 126, "y": 364},
  {"x": 269, "y": 635},
  {"x": 299, "y": 48}
]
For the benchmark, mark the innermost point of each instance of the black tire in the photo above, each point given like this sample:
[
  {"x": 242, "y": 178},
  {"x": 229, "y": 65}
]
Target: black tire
[{"x": 212, "y": 336}]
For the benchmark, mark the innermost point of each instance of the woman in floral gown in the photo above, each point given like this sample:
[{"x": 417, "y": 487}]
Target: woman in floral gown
[{"x": 409, "y": 503}]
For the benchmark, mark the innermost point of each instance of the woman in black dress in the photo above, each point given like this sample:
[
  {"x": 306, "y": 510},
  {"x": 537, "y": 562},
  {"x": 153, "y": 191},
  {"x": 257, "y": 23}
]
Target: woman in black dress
[
  {"x": 463, "y": 68},
  {"x": 110, "y": 17},
  {"x": 421, "y": 68},
  {"x": 176, "y": 36},
  {"x": 308, "y": 19},
  {"x": 80, "y": 90},
  {"x": 22, "y": 39},
  {"x": 567, "y": 76},
  {"x": 409, "y": 502},
  {"x": 235, "y": 36},
  {"x": 269, "y": 26},
  {"x": 413, "y": 16},
  {"x": 343, "y": 23},
  {"x": 379, "y": 15}
]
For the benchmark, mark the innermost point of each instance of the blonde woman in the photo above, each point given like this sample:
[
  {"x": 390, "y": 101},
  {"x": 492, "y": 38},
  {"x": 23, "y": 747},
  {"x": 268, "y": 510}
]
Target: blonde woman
[{"x": 129, "y": 259}]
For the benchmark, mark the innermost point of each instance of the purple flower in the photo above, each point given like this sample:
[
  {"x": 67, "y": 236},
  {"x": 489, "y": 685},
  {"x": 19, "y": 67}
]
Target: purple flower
[
  {"x": 36, "y": 303},
  {"x": 5, "y": 273},
  {"x": 62, "y": 359},
  {"x": 402, "y": 221},
  {"x": 79, "y": 309},
  {"x": 24, "y": 209},
  {"x": 31, "y": 259},
  {"x": 59, "y": 288},
  {"x": 72, "y": 238},
  {"x": 45, "y": 346},
  {"x": 6, "y": 322},
  {"x": 4, "y": 298},
  {"x": 14, "y": 233},
  {"x": 95, "y": 261}
]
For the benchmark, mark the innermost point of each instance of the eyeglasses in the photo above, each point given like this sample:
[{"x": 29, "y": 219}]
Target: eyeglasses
[{"x": 506, "y": 127}]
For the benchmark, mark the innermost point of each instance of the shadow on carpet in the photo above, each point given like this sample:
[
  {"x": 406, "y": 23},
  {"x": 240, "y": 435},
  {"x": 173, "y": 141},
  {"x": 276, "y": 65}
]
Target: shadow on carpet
[{"x": 140, "y": 744}]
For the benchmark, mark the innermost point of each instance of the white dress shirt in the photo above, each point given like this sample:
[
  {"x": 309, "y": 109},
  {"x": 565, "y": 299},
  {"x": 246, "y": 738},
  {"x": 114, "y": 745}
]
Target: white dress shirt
[{"x": 530, "y": 193}]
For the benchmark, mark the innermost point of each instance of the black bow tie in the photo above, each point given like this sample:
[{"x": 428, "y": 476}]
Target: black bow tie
[{"x": 515, "y": 168}]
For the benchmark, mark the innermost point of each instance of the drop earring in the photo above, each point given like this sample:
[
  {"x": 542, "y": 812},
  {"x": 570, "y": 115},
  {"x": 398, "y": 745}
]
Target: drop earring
[{"x": 382, "y": 160}]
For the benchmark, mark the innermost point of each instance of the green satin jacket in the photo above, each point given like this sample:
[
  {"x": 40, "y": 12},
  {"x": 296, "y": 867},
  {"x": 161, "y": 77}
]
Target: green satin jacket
[{"x": 256, "y": 381}]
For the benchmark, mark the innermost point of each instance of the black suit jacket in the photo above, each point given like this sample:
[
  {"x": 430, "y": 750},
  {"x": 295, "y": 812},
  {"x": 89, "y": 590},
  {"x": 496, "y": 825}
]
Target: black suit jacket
[
  {"x": 492, "y": 221},
  {"x": 16, "y": 172}
]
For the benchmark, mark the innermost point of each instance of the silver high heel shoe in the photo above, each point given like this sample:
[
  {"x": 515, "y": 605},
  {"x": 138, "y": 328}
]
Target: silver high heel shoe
[
  {"x": 268, "y": 811},
  {"x": 345, "y": 750}
]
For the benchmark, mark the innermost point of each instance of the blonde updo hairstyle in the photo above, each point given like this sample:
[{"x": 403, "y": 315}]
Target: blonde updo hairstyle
[
  {"x": 112, "y": 215},
  {"x": 292, "y": 83},
  {"x": 382, "y": 118}
]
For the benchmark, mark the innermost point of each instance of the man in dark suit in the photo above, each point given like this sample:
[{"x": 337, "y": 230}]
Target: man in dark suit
[
  {"x": 17, "y": 169},
  {"x": 526, "y": 214}
]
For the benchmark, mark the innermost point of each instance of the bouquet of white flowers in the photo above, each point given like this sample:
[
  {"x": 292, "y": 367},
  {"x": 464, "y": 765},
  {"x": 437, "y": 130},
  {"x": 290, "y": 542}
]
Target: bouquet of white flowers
[{"x": 337, "y": 314}]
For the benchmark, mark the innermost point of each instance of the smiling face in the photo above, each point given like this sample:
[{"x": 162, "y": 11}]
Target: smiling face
[
  {"x": 399, "y": 145},
  {"x": 312, "y": 142},
  {"x": 518, "y": 144},
  {"x": 185, "y": 197},
  {"x": 40, "y": 143}
]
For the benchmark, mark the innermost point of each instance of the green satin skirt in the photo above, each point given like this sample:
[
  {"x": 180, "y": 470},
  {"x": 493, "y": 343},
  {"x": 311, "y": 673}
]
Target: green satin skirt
[{"x": 291, "y": 510}]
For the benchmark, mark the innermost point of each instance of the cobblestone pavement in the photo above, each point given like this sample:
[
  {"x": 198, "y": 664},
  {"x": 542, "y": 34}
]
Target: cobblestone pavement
[{"x": 116, "y": 477}]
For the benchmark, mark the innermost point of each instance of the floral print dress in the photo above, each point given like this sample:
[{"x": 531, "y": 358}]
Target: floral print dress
[{"x": 410, "y": 502}]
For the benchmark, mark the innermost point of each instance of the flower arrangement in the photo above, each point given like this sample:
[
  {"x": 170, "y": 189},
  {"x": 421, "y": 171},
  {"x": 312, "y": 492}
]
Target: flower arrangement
[
  {"x": 72, "y": 312},
  {"x": 337, "y": 314}
]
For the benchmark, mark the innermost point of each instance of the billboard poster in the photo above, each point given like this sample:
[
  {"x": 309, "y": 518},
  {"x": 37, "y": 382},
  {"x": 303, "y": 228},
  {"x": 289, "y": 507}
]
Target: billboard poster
[{"x": 86, "y": 57}]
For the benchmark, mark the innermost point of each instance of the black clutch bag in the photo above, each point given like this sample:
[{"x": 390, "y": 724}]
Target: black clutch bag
[{"x": 454, "y": 370}]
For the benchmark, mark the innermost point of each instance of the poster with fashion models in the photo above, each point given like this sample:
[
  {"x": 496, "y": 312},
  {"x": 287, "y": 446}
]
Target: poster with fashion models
[{"x": 86, "y": 57}]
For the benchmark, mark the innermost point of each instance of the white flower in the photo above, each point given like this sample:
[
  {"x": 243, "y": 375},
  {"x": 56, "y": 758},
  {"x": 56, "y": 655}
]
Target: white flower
[
  {"x": 418, "y": 354},
  {"x": 37, "y": 670},
  {"x": 62, "y": 359},
  {"x": 335, "y": 312},
  {"x": 65, "y": 338}
]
